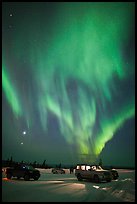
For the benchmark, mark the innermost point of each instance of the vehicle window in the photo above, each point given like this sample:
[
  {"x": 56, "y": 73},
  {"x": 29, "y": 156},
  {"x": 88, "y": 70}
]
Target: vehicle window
[
  {"x": 93, "y": 168},
  {"x": 87, "y": 167},
  {"x": 83, "y": 167},
  {"x": 30, "y": 167},
  {"x": 18, "y": 167},
  {"x": 99, "y": 167}
]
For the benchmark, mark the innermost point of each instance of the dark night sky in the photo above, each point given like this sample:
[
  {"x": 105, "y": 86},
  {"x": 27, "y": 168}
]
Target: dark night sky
[{"x": 68, "y": 82}]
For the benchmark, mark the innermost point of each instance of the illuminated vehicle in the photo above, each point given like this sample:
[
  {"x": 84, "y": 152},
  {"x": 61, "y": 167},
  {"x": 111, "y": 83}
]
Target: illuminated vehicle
[
  {"x": 95, "y": 173},
  {"x": 22, "y": 171},
  {"x": 58, "y": 171}
]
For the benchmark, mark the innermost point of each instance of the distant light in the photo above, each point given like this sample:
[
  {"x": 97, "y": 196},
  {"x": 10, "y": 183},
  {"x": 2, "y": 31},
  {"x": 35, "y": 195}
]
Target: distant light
[
  {"x": 5, "y": 179},
  {"x": 21, "y": 143},
  {"x": 11, "y": 14},
  {"x": 24, "y": 132},
  {"x": 96, "y": 187},
  {"x": 106, "y": 188}
]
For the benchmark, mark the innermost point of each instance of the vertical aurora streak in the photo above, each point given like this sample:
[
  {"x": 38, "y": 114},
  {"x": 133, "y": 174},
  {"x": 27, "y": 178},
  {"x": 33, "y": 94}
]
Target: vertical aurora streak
[
  {"x": 76, "y": 68},
  {"x": 10, "y": 92}
]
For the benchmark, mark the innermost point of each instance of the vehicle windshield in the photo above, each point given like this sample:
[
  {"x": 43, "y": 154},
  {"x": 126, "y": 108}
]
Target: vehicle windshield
[
  {"x": 99, "y": 167},
  {"x": 96, "y": 167}
]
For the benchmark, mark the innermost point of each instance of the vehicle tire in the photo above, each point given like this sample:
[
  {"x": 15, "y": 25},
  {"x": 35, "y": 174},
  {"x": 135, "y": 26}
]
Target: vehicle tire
[
  {"x": 36, "y": 178},
  {"x": 79, "y": 177},
  {"x": 96, "y": 178},
  {"x": 26, "y": 177},
  {"x": 109, "y": 180},
  {"x": 112, "y": 176},
  {"x": 9, "y": 175}
]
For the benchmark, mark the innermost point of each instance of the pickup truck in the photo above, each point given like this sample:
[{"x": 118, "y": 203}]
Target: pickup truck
[{"x": 22, "y": 171}]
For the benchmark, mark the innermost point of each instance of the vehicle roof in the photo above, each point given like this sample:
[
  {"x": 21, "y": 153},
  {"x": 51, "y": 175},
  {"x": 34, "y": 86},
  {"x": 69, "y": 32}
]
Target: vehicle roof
[{"x": 87, "y": 164}]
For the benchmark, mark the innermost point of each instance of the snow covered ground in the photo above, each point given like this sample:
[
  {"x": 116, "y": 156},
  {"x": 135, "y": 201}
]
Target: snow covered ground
[{"x": 66, "y": 188}]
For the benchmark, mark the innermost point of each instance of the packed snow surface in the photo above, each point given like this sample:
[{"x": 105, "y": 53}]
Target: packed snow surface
[{"x": 66, "y": 188}]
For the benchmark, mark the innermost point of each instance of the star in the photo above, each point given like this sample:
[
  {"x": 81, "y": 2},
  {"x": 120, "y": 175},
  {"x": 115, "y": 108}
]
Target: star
[{"x": 24, "y": 132}]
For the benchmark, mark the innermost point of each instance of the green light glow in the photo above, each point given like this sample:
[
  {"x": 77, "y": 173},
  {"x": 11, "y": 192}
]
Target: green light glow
[
  {"x": 74, "y": 65},
  {"x": 10, "y": 92},
  {"x": 109, "y": 127}
]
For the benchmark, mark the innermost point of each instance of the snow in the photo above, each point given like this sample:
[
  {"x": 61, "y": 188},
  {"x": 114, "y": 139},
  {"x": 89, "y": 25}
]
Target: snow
[{"x": 66, "y": 188}]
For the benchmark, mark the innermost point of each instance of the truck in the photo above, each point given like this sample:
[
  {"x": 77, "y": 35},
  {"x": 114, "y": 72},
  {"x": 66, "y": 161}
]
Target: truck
[{"x": 22, "y": 171}]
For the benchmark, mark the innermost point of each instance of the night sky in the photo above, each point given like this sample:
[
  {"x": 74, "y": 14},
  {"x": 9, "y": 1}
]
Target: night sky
[{"x": 68, "y": 85}]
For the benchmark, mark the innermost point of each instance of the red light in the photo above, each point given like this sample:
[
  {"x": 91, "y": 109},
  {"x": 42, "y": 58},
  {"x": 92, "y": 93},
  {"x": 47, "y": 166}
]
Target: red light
[{"x": 5, "y": 179}]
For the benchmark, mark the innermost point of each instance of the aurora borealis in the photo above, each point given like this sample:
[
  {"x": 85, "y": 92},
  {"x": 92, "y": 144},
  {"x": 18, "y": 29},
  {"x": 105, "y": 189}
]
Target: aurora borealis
[{"x": 68, "y": 80}]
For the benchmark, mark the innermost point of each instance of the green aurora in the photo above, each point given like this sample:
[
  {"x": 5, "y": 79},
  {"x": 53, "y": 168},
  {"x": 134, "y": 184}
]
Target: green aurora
[{"x": 77, "y": 66}]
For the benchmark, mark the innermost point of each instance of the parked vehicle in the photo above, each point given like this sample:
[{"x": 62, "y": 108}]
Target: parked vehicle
[
  {"x": 22, "y": 171},
  {"x": 58, "y": 171},
  {"x": 84, "y": 171}
]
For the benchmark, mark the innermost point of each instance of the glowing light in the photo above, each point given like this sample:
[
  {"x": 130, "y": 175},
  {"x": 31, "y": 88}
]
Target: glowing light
[
  {"x": 10, "y": 92},
  {"x": 97, "y": 187},
  {"x": 79, "y": 75},
  {"x": 24, "y": 133},
  {"x": 106, "y": 188},
  {"x": 21, "y": 143},
  {"x": 5, "y": 179}
]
